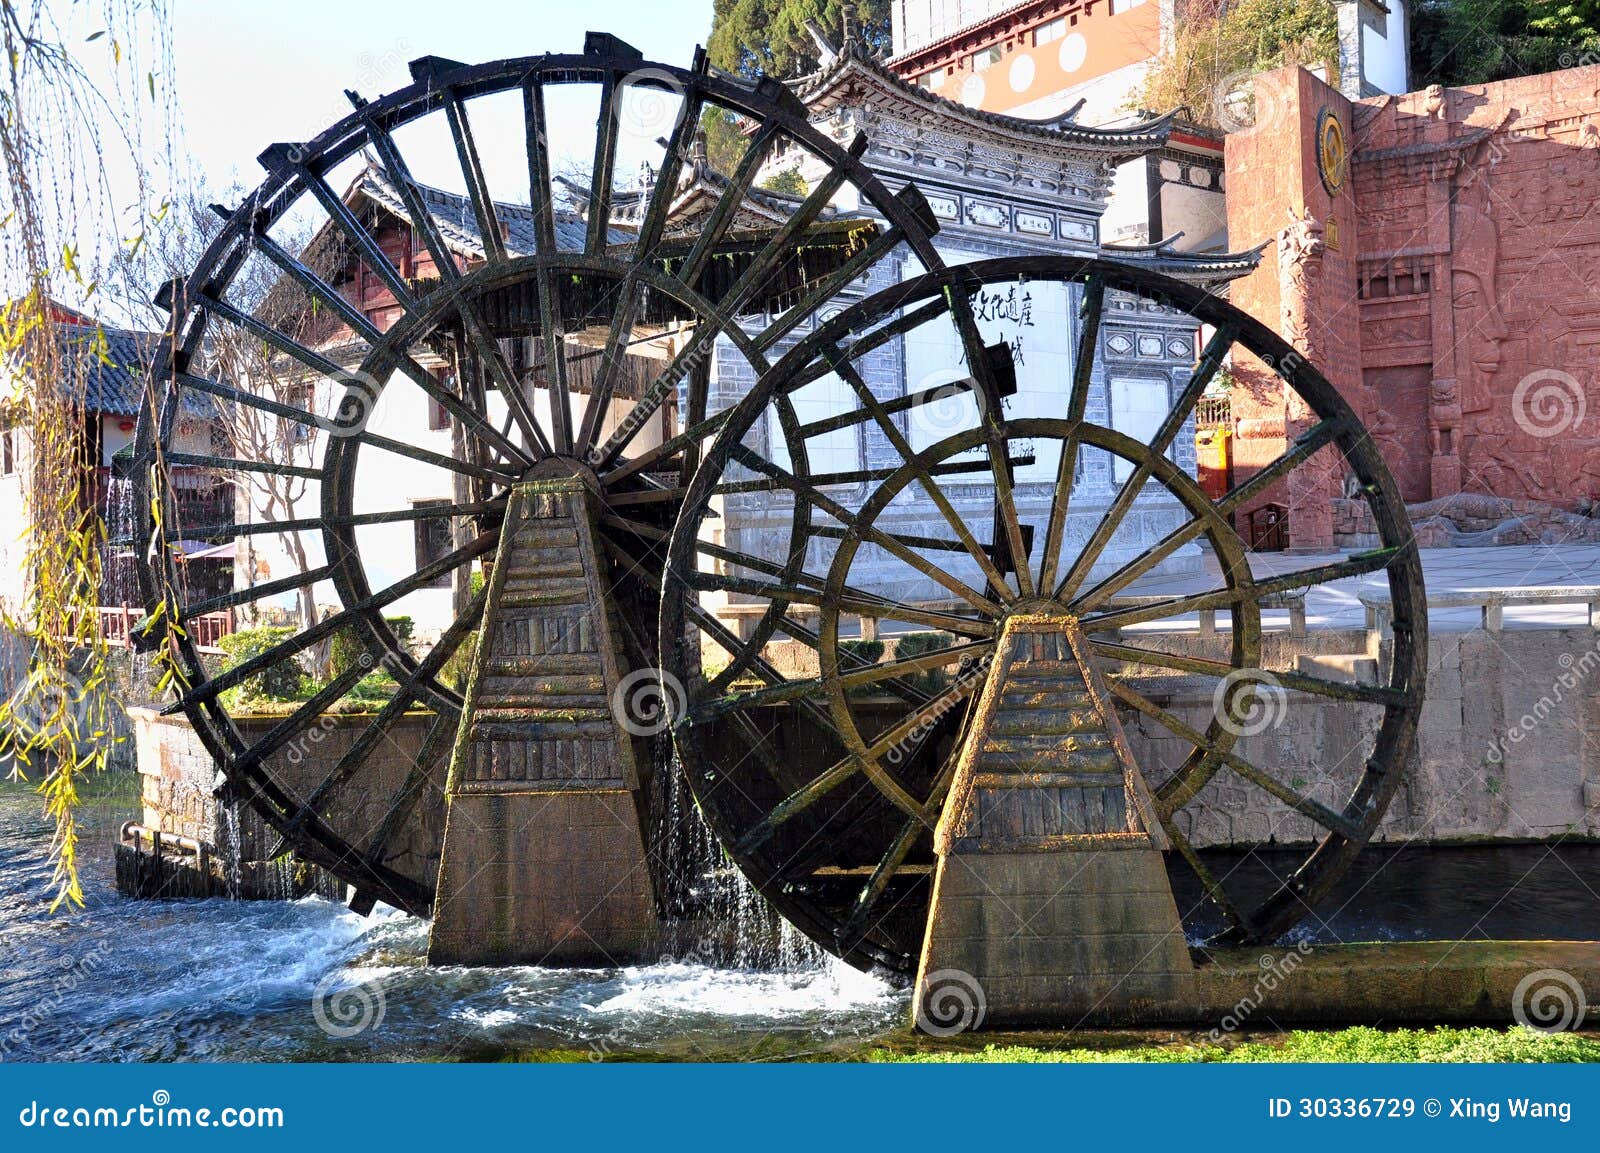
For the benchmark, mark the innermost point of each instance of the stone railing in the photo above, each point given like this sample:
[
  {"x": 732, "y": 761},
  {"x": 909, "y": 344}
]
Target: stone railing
[{"x": 1491, "y": 603}]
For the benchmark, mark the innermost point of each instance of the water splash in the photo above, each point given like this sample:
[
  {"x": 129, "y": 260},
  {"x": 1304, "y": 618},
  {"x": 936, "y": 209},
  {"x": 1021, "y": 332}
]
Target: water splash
[
  {"x": 119, "y": 573},
  {"x": 737, "y": 926}
]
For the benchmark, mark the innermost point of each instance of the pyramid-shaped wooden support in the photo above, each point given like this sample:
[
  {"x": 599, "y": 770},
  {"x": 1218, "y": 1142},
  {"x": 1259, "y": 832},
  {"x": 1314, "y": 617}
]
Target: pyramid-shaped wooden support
[
  {"x": 544, "y": 854},
  {"x": 1051, "y": 893}
]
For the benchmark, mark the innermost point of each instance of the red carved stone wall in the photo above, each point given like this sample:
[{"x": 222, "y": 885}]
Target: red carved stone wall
[{"x": 1456, "y": 299}]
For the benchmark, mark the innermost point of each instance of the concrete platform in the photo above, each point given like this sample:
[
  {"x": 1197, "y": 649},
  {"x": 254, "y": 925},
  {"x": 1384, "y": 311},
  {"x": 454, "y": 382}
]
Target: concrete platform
[{"x": 1383, "y": 983}]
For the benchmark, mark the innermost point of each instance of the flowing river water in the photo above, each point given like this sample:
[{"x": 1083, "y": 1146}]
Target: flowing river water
[{"x": 309, "y": 980}]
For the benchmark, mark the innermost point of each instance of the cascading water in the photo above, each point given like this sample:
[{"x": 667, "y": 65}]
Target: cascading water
[
  {"x": 701, "y": 886},
  {"x": 119, "y": 577}
]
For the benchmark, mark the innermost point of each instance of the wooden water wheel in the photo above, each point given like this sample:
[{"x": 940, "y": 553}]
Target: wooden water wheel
[
  {"x": 825, "y": 767},
  {"x": 561, "y": 329}
]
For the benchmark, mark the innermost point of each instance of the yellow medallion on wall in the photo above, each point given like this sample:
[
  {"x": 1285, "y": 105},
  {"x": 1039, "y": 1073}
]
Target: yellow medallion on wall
[{"x": 1333, "y": 153}]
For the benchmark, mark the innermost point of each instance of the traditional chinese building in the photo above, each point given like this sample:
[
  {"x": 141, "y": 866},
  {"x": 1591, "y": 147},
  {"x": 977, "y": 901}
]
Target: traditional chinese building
[{"x": 999, "y": 185}]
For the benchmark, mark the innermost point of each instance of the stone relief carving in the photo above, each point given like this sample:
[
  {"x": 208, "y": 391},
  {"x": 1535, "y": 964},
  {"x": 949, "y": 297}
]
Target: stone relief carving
[
  {"x": 1474, "y": 285},
  {"x": 1300, "y": 248}
]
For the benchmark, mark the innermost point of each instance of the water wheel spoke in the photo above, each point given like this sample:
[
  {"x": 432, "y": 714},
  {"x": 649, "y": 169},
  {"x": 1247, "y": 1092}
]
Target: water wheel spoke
[
  {"x": 298, "y": 721},
  {"x": 753, "y": 660},
  {"x": 351, "y": 520},
  {"x": 878, "y": 884},
  {"x": 435, "y": 745},
  {"x": 1359, "y": 564},
  {"x": 1210, "y": 361},
  {"x": 849, "y": 660},
  {"x": 922, "y": 663},
  {"x": 892, "y": 406},
  {"x": 669, "y": 448},
  {"x": 1307, "y": 446},
  {"x": 477, "y": 329},
  {"x": 848, "y": 600},
  {"x": 817, "y": 686},
  {"x": 650, "y": 231},
  {"x": 209, "y": 689},
  {"x": 856, "y": 926},
  {"x": 423, "y": 223},
  {"x": 867, "y": 532},
  {"x": 603, "y": 168},
  {"x": 665, "y": 384},
  {"x": 654, "y": 224},
  {"x": 327, "y": 296},
  {"x": 1299, "y": 682},
  {"x": 232, "y": 464},
  {"x": 483, "y": 207},
  {"x": 439, "y": 460},
  {"x": 723, "y": 212},
  {"x": 981, "y": 360},
  {"x": 1318, "y": 812},
  {"x": 1094, "y": 293},
  {"x": 372, "y": 255},
  {"x": 846, "y": 767},
  {"x": 925, "y": 543},
  {"x": 782, "y": 243},
  {"x": 1208, "y": 880},
  {"x": 820, "y": 479},
  {"x": 249, "y": 593},
  {"x": 924, "y": 473},
  {"x": 377, "y": 730},
  {"x": 321, "y": 365},
  {"x": 830, "y": 285}
]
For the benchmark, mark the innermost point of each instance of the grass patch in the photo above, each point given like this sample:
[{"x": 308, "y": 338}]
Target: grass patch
[{"x": 1361, "y": 1044}]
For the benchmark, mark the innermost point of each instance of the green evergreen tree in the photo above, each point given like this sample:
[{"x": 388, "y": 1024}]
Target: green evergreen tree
[
  {"x": 769, "y": 38},
  {"x": 1461, "y": 42}
]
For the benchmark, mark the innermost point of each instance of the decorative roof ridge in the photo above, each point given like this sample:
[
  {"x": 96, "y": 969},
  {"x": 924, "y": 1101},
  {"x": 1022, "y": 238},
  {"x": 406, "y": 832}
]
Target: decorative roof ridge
[
  {"x": 1134, "y": 140},
  {"x": 1164, "y": 248}
]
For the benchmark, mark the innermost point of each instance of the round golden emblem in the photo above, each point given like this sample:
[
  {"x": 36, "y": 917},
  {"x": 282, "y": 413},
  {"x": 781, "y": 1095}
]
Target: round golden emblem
[{"x": 1333, "y": 156}]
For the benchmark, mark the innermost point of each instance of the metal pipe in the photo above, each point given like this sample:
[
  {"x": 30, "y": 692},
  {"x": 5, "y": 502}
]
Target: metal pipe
[{"x": 132, "y": 830}]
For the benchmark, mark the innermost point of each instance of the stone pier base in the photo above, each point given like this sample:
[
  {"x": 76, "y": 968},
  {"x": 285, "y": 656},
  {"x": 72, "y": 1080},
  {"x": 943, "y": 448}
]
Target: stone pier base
[
  {"x": 1050, "y": 902},
  {"x": 544, "y": 852}
]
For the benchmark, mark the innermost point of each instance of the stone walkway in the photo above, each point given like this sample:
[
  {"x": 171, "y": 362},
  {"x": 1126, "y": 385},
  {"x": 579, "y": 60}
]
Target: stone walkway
[{"x": 1444, "y": 570}]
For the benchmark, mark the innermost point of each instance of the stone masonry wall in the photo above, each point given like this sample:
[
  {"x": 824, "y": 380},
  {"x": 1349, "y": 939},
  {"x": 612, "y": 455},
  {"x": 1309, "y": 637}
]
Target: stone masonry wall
[{"x": 1509, "y": 746}]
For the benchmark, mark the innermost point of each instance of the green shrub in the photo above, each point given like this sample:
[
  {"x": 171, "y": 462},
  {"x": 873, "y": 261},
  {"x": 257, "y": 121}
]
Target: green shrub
[
  {"x": 377, "y": 685},
  {"x": 456, "y": 669},
  {"x": 284, "y": 681},
  {"x": 866, "y": 652},
  {"x": 346, "y": 649},
  {"x": 917, "y": 644}
]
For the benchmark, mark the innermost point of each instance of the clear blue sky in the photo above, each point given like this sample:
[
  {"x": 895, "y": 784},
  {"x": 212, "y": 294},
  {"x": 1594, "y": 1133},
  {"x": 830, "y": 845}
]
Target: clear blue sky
[{"x": 251, "y": 72}]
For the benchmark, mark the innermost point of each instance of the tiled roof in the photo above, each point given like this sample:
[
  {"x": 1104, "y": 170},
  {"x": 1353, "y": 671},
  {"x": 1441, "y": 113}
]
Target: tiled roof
[
  {"x": 460, "y": 227},
  {"x": 114, "y": 367},
  {"x": 1206, "y": 269},
  {"x": 856, "y": 62}
]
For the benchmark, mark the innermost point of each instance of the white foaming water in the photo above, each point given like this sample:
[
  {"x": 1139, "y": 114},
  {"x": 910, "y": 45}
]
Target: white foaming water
[{"x": 678, "y": 989}]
